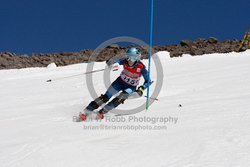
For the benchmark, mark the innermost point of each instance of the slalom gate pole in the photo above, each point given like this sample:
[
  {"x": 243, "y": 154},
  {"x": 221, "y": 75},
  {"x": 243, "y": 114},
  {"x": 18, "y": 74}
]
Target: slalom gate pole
[{"x": 150, "y": 50}]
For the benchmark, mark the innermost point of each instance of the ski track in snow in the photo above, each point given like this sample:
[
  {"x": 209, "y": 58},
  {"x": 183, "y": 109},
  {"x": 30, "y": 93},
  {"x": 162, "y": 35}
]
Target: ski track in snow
[{"x": 212, "y": 128}]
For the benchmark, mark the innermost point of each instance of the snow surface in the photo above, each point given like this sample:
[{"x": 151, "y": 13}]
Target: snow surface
[{"x": 212, "y": 128}]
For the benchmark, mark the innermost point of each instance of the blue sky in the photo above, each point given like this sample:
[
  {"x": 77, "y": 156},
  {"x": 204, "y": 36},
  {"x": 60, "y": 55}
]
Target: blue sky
[{"x": 45, "y": 26}]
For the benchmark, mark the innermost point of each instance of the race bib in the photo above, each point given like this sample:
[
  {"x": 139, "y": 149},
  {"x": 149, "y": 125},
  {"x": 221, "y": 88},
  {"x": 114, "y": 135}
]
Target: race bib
[{"x": 129, "y": 80}]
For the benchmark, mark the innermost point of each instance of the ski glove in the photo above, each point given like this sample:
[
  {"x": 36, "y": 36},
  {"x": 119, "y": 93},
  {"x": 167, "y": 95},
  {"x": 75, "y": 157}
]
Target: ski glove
[
  {"x": 109, "y": 62},
  {"x": 140, "y": 90},
  {"x": 112, "y": 61},
  {"x": 112, "y": 64}
]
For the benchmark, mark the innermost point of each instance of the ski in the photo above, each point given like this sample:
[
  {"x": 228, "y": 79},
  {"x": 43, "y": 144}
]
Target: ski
[
  {"x": 84, "y": 118},
  {"x": 76, "y": 119}
]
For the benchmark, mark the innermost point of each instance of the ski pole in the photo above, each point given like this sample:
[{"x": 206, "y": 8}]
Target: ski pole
[
  {"x": 153, "y": 98},
  {"x": 89, "y": 72},
  {"x": 114, "y": 68}
]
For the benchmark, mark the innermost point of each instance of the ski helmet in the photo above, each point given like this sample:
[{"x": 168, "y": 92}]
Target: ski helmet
[{"x": 133, "y": 54}]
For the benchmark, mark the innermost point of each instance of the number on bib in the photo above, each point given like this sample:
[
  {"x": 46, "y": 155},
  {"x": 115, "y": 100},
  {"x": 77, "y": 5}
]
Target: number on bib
[{"x": 129, "y": 80}]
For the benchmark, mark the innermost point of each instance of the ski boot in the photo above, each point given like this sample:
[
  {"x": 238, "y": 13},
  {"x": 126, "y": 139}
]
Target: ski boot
[
  {"x": 99, "y": 116},
  {"x": 97, "y": 102}
]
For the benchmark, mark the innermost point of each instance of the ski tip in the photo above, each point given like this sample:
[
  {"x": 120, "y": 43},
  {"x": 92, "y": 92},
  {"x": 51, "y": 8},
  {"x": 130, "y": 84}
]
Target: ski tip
[{"x": 76, "y": 119}]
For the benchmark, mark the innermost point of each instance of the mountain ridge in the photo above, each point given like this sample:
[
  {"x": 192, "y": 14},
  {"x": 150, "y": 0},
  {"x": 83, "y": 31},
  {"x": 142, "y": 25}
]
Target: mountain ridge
[{"x": 199, "y": 46}]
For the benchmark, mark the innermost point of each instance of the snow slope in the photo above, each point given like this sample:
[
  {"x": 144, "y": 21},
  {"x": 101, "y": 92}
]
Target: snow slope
[{"x": 210, "y": 129}]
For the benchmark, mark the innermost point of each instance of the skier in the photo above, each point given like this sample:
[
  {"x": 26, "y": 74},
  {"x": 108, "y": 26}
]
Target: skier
[{"x": 126, "y": 83}]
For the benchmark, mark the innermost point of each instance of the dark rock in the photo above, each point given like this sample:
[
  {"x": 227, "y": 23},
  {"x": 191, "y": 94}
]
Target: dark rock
[
  {"x": 176, "y": 54},
  {"x": 212, "y": 40},
  {"x": 113, "y": 46},
  {"x": 186, "y": 43}
]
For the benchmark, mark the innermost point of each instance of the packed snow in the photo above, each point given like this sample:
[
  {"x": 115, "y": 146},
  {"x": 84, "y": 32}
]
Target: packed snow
[{"x": 201, "y": 118}]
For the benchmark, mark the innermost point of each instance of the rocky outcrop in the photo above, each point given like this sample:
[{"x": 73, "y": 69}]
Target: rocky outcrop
[
  {"x": 10, "y": 60},
  {"x": 204, "y": 46}
]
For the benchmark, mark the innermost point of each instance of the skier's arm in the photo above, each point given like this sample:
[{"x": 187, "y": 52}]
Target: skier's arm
[
  {"x": 112, "y": 61},
  {"x": 141, "y": 88}
]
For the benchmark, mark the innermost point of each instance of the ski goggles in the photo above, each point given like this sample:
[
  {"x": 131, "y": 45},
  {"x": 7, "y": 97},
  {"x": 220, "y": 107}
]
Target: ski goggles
[{"x": 132, "y": 58}]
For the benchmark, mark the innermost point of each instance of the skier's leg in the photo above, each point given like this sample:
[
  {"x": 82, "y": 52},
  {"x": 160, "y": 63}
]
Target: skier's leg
[
  {"x": 113, "y": 89},
  {"x": 97, "y": 102},
  {"x": 117, "y": 100},
  {"x": 92, "y": 106}
]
